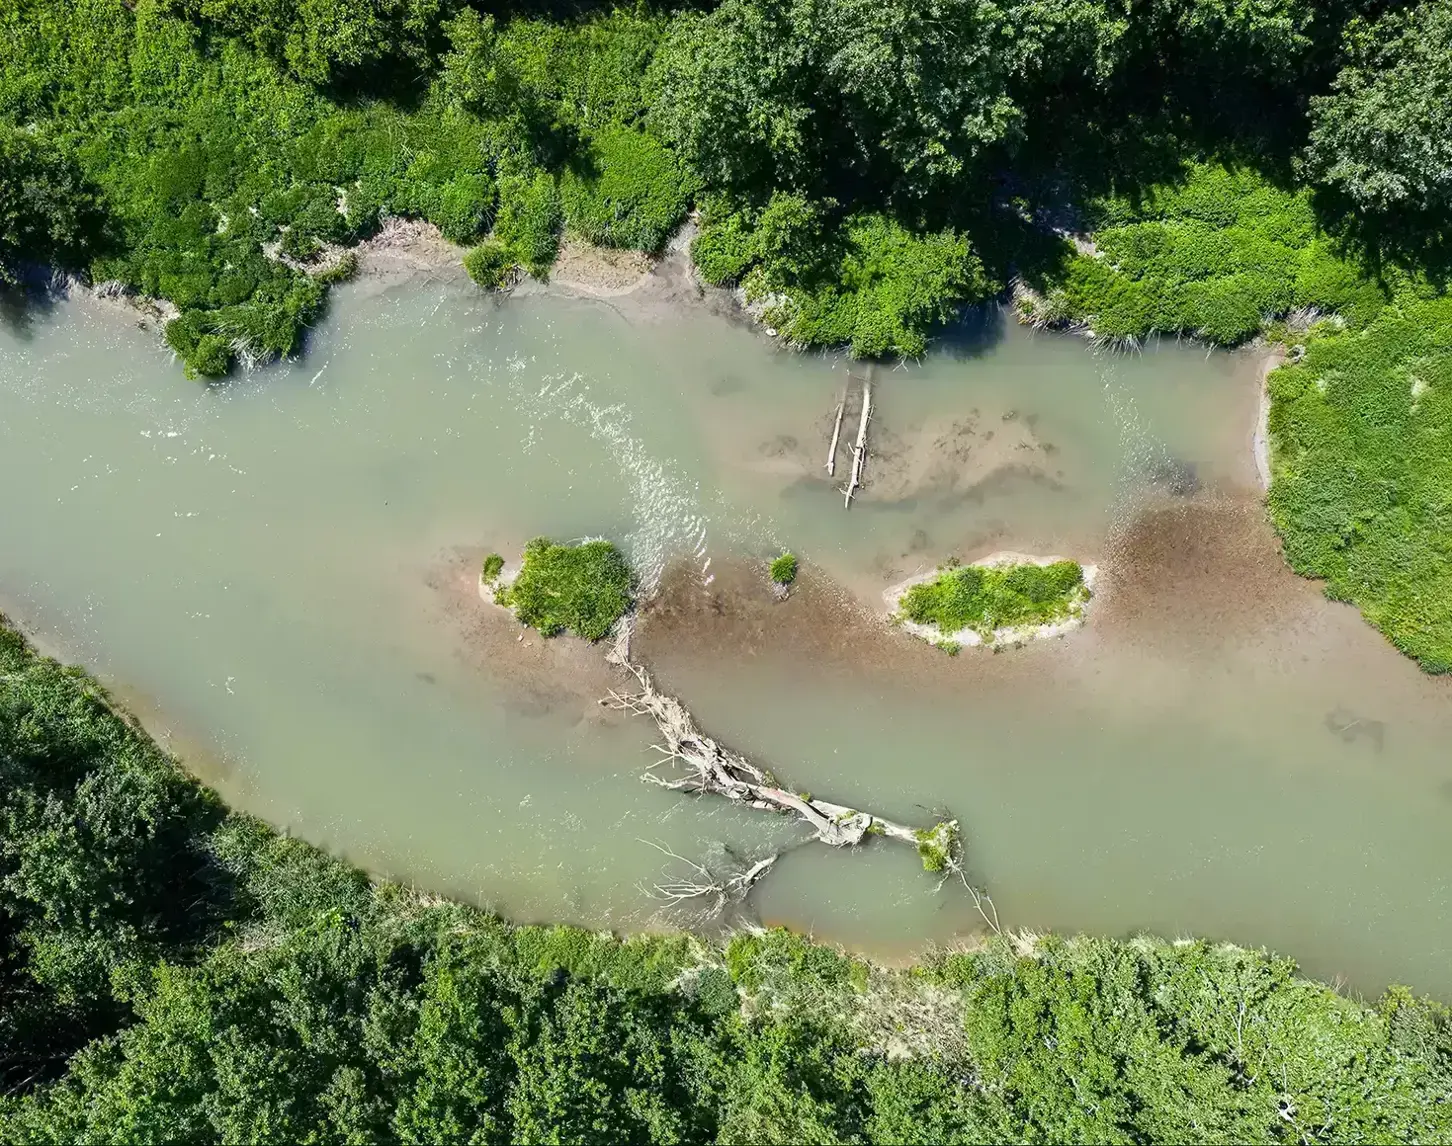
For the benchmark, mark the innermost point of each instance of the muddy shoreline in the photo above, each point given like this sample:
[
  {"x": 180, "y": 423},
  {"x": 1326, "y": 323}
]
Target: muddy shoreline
[{"x": 1272, "y": 358}]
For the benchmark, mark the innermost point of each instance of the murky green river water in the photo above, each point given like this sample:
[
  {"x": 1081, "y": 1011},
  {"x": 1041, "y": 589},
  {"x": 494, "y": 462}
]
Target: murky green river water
[{"x": 278, "y": 575}]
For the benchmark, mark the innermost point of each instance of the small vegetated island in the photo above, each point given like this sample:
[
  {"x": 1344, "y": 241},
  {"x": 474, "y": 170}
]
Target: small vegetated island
[
  {"x": 1005, "y": 599},
  {"x": 583, "y": 589},
  {"x": 587, "y": 589}
]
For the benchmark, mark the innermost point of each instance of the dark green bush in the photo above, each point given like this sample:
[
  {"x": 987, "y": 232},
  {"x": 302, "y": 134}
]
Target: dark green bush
[
  {"x": 630, "y": 192},
  {"x": 865, "y": 282},
  {"x": 583, "y": 588}
]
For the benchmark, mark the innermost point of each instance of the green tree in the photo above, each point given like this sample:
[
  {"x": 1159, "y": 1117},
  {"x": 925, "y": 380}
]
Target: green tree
[
  {"x": 47, "y": 213},
  {"x": 1382, "y": 137}
]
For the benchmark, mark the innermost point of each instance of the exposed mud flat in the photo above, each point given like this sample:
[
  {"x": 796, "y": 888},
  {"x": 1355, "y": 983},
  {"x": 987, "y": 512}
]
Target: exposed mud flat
[
  {"x": 561, "y": 677},
  {"x": 598, "y": 272}
]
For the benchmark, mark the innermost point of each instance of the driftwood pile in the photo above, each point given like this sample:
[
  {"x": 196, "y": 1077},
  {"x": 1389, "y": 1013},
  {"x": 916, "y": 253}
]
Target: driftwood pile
[
  {"x": 700, "y": 765},
  {"x": 859, "y": 450}
]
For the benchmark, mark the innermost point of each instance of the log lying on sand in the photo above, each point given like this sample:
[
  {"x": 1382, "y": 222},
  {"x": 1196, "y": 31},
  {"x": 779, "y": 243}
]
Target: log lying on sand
[
  {"x": 859, "y": 451},
  {"x": 710, "y": 768},
  {"x": 836, "y": 436}
]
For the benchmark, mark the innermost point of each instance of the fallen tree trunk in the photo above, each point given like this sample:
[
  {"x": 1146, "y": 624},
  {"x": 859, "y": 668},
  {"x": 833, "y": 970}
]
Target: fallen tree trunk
[
  {"x": 859, "y": 451},
  {"x": 836, "y": 436},
  {"x": 707, "y": 767}
]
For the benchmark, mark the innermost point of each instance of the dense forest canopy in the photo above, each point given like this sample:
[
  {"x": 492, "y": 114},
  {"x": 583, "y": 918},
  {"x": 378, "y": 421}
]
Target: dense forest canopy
[
  {"x": 171, "y": 971},
  {"x": 863, "y": 167}
]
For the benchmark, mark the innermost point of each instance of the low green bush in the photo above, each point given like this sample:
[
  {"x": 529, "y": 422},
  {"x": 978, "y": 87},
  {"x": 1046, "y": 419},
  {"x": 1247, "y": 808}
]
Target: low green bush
[
  {"x": 628, "y": 190},
  {"x": 493, "y": 566},
  {"x": 784, "y": 569},
  {"x": 583, "y": 588},
  {"x": 529, "y": 219},
  {"x": 1361, "y": 488},
  {"x": 1216, "y": 256},
  {"x": 985, "y": 599},
  {"x": 490, "y": 264}
]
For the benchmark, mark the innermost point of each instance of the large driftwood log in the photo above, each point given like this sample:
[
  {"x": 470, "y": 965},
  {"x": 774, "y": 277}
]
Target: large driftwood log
[
  {"x": 836, "y": 436},
  {"x": 859, "y": 451},
  {"x": 702, "y": 765}
]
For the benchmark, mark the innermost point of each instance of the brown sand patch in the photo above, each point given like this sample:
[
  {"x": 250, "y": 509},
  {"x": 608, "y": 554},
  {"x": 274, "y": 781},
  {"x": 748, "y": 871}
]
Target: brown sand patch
[
  {"x": 819, "y": 627},
  {"x": 598, "y": 271},
  {"x": 537, "y": 676},
  {"x": 1201, "y": 570},
  {"x": 953, "y": 457}
]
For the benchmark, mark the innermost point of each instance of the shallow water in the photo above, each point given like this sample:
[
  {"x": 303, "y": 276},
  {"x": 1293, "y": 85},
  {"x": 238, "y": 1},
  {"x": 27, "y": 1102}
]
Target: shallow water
[{"x": 278, "y": 575}]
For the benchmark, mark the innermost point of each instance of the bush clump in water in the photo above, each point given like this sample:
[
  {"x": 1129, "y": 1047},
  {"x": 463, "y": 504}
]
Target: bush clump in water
[
  {"x": 583, "y": 588},
  {"x": 936, "y": 844},
  {"x": 784, "y": 569},
  {"x": 985, "y": 599},
  {"x": 493, "y": 566}
]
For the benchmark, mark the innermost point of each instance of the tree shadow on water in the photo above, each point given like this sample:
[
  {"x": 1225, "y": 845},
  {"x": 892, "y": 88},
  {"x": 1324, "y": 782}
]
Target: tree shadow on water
[
  {"x": 24, "y": 306},
  {"x": 976, "y": 333}
]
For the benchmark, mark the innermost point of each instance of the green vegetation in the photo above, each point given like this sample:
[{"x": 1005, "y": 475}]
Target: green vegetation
[
  {"x": 492, "y": 567},
  {"x": 864, "y": 281},
  {"x": 490, "y": 264},
  {"x": 630, "y": 191},
  {"x": 583, "y": 588},
  {"x": 985, "y": 599},
  {"x": 784, "y": 569},
  {"x": 1362, "y": 473},
  {"x": 863, "y": 170},
  {"x": 177, "y": 972},
  {"x": 936, "y": 845},
  {"x": 1382, "y": 136},
  {"x": 46, "y": 212},
  {"x": 1216, "y": 255}
]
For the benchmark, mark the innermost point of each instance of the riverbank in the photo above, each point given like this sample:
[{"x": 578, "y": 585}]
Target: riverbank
[
  {"x": 1271, "y": 359},
  {"x": 665, "y": 1030}
]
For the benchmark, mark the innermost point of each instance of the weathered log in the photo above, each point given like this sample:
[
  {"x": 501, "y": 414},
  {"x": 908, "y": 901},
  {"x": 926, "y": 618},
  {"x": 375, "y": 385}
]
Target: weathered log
[
  {"x": 836, "y": 436},
  {"x": 859, "y": 451}
]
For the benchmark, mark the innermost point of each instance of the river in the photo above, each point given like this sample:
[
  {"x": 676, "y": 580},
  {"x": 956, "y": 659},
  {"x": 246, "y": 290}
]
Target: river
[{"x": 277, "y": 574}]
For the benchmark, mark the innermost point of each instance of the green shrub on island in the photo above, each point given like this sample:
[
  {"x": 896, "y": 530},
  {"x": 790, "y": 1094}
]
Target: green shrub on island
[
  {"x": 1216, "y": 255},
  {"x": 984, "y": 598},
  {"x": 936, "y": 844},
  {"x": 581, "y": 588},
  {"x": 492, "y": 567},
  {"x": 784, "y": 569},
  {"x": 1361, "y": 487}
]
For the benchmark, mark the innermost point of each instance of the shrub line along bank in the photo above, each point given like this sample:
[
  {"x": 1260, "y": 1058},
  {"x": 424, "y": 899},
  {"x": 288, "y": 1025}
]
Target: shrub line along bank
[{"x": 175, "y": 971}]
